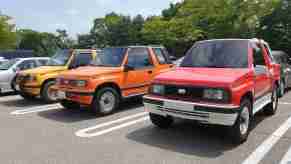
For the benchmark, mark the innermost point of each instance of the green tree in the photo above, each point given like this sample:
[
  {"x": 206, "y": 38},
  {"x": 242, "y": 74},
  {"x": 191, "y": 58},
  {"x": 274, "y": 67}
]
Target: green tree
[
  {"x": 276, "y": 27},
  {"x": 7, "y": 33}
]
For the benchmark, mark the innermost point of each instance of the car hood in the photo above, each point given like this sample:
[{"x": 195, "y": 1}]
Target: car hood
[
  {"x": 44, "y": 70},
  {"x": 89, "y": 71},
  {"x": 211, "y": 77}
]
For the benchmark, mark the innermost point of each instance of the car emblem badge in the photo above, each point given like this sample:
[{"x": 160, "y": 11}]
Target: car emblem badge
[{"x": 182, "y": 91}]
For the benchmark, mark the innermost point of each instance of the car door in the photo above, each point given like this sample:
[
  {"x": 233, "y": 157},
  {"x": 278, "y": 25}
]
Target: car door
[
  {"x": 137, "y": 80},
  {"x": 263, "y": 81}
]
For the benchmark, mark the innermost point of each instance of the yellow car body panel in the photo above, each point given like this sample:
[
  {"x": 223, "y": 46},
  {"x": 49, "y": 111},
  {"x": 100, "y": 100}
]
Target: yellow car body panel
[{"x": 45, "y": 73}]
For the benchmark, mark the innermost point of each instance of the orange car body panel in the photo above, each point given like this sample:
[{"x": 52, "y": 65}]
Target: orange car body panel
[{"x": 130, "y": 83}]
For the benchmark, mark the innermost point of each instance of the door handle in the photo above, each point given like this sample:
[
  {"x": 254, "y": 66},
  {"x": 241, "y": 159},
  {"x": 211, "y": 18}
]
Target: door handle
[{"x": 150, "y": 72}]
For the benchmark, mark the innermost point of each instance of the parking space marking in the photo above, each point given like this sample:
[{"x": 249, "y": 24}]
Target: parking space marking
[
  {"x": 266, "y": 146},
  {"x": 8, "y": 98},
  {"x": 85, "y": 133},
  {"x": 284, "y": 103},
  {"x": 36, "y": 109},
  {"x": 287, "y": 157}
]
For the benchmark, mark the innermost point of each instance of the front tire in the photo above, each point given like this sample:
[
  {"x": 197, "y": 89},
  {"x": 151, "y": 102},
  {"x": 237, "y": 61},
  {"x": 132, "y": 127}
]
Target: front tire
[
  {"x": 161, "y": 121},
  {"x": 272, "y": 107},
  {"x": 106, "y": 101},
  {"x": 241, "y": 129},
  {"x": 46, "y": 92}
]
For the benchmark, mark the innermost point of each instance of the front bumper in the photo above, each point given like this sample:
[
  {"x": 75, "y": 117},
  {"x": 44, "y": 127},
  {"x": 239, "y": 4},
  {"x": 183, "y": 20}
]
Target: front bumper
[
  {"x": 83, "y": 98},
  {"x": 32, "y": 90},
  {"x": 216, "y": 114}
]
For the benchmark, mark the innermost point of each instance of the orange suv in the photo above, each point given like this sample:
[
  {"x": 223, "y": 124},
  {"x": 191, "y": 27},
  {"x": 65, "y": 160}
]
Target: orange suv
[{"x": 116, "y": 73}]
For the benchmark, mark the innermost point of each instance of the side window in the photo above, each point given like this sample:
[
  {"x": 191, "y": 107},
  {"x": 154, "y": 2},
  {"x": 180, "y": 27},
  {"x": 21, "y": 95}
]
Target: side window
[
  {"x": 258, "y": 55},
  {"x": 267, "y": 48},
  {"x": 139, "y": 58},
  {"x": 42, "y": 62},
  {"x": 160, "y": 55},
  {"x": 81, "y": 59},
  {"x": 27, "y": 64}
]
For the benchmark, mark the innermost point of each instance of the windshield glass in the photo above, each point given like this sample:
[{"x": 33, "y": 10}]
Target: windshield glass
[
  {"x": 60, "y": 58},
  {"x": 110, "y": 57},
  {"x": 8, "y": 64},
  {"x": 218, "y": 54}
]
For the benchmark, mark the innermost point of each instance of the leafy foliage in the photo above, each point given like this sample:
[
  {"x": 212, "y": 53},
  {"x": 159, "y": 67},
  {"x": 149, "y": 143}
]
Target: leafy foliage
[{"x": 7, "y": 33}]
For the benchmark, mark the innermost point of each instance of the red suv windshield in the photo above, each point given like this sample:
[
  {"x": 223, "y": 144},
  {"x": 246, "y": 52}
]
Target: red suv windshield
[{"x": 218, "y": 54}]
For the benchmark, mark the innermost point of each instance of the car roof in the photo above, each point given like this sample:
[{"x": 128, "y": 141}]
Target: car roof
[
  {"x": 33, "y": 58},
  {"x": 234, "y": 39},
  {"x": 138, "y": 46}
]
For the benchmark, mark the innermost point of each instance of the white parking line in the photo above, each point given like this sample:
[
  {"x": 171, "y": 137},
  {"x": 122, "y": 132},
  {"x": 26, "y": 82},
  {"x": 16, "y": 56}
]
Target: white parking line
[
  {"x": 266, "y": 146},
  {"x": 9, "y": 98},
  {"x": 284, "y": 103},
  {"x": 36, "y": 109},
  {"x": 85, "y": 133},
  {"x": 287, "y": 157}
]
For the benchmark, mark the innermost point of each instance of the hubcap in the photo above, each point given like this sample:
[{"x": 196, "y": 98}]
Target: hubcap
[
  {"x": 107, "y": 101},
  {"x": 244, "y": 120}
]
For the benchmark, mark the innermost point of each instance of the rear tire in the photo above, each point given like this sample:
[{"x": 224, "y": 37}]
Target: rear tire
[
  {"x": 45, "y": 92},
  {"x": 241, "y": 129},
  {"x": 106, "y": 101},
  {"x": 282, "y": 89},
  {"x": 13, "y": 84},
  {"x": 272, "y": 107},
  {"x": 27, "y": 96},
  {"x": 69, "y": 104},
  {"x": 161, "y": 121}
]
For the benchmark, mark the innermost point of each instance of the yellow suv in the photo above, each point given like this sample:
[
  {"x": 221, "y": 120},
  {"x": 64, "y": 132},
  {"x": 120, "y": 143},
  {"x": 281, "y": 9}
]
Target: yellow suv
[{"x": 38, "y": 82}]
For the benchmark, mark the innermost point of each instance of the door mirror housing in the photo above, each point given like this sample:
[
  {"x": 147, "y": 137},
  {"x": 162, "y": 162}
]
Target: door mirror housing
[{"x": 128, "y": 68}]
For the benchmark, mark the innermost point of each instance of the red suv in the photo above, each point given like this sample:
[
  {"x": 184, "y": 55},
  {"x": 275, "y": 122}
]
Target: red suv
[{"x": 222, "y": 82}]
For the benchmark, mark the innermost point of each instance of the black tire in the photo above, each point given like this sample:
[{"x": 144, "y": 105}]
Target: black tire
[
  {"x": 106, "y": 101},
  {"x": 45, "y": 95},
  {"x": 281, "y": 89},
  {"x": 13, "y": 84},
  {"x": 240, "y": 134},
  {"x": 69, "y": 104},
  {"x": 272, "y": 107},
  {"x": 27, "y": 96},
  {"x": 161, "y": 121}
]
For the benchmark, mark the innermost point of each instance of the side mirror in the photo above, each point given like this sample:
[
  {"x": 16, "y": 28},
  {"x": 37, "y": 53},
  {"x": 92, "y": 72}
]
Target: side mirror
[
  {"x": 128, "y": 68},
  {"x": 173, "y": 58}
]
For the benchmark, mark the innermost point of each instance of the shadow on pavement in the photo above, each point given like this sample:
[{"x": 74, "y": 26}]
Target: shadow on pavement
[
  {"x": 76, "y": 115},
  {"x": 22, "y": 103},
  {"x": 189, "y": 138},
  {"x": 8, "y": 94}
]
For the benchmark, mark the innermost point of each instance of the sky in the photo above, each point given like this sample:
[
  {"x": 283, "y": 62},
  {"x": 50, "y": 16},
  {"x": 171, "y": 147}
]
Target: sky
[{"x": 76, "y": 16}]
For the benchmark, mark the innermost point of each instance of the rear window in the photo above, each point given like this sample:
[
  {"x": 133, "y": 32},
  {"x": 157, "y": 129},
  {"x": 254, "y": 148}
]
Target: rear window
[{"x": 218, "y": 54}]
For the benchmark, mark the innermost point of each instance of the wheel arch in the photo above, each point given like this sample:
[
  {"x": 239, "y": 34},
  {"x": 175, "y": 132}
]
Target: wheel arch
[
  {"x": 109, "y": 84},
  {"x": 46, "y": 81}
]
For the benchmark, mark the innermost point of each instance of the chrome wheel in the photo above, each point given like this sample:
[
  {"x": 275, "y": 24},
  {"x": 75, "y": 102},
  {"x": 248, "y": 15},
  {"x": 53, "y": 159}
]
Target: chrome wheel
[
  {"x": 107, "y": 101},
  {"x": 244, "y": 121}
]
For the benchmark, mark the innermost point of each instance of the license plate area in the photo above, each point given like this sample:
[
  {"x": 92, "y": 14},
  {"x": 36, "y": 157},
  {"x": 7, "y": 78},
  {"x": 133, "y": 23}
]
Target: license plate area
[
  {"x": 61, "y": 95},
  {"x": 179, "y": 106}
]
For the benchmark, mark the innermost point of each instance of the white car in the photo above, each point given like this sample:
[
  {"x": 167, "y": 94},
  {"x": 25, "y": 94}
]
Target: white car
[
  {"x": 2, "y": 60},
  {"x": 10, "y": 68}
]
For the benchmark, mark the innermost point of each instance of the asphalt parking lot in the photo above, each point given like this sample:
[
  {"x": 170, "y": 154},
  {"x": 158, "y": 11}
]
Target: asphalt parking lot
[{"x": 33, "y": 132}]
